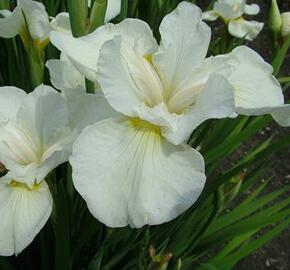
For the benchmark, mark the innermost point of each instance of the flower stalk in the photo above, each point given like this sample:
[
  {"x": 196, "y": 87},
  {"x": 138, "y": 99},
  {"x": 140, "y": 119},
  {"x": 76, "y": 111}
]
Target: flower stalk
[
  {"x": 98, "y": 14},
  {"x": 78, "y": 13}
]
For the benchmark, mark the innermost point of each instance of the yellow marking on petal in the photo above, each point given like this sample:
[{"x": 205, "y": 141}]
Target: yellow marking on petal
[
  {"x": 16, "y": 184},
  {"x": 148, "y": 57},
  {"x": 40, "y": 44},
  {"x": 145, "y": 126}
]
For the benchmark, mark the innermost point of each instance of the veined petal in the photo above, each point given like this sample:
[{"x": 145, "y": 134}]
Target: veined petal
[
  {"x": 63, "y": 75},
  {"x": 23, "y": 213},
  {"x": 184, "y": 44},
  {"x": 215, "y": 101},
  {"x": 36, "y": 18},
  {"x": 11, "y": 99},
  {"x": 151, "y": 181},
  {"x": 43, "y": 115},
  {"x": 135, "y": 33},
  {"x": 127, "y": 80},
  {"x": 255, "y": 86},
  {"x": 282, "y": 115},
  {"x": 61, "y": 23},
  {"x": 252, "y": 9},
  {"x": 187, "y": 92},
  {"x": 113, "y": 9},
  {"x": 84, "y": 52},
  {"x": 210, "y": 15},
  {"x": 229, "y": 9},
  {"x": 241, "y": 28},
  {"x": 13, "y": 23}
]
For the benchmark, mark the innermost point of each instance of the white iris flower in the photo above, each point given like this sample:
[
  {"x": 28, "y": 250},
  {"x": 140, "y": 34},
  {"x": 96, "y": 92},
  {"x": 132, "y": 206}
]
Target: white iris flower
[
  {"x": 231, "y": 11},
  {"x": 30, "y": 20},
  {"x": 35, "y": 137},
  {"x": 135, "y": 168}
]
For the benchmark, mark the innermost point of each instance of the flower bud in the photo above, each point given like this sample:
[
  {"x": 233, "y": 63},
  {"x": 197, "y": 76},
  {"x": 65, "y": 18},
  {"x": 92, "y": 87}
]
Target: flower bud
[
  {"x": 285, "y": 29},
  {"x": 275, "y": 21}
]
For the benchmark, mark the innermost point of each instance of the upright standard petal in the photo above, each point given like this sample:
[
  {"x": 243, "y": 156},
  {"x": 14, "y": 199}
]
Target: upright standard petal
[
  {"x": 127, "y": 80},
  {"x": 23, "y": 213},
  {"x": 184, "y": 44},
  {"x": 12, "y": 24},
  {"x": 215, "y": 101},
  {"x": 256, "y": 89},
  {"x": 129, "y": 174},
  {"x": 11, "y": 99},
  {"x": 241, "y": 28}
]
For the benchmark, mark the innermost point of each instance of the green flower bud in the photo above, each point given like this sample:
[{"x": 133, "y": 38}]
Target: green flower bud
[
  {"x": 275, "y": 21},
  {"x": 285, "y": 29}
]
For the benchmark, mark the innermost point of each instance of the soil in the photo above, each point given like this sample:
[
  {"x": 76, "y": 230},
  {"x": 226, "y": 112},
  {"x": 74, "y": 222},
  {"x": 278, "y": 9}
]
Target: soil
[{"x": 276, "y": 254}]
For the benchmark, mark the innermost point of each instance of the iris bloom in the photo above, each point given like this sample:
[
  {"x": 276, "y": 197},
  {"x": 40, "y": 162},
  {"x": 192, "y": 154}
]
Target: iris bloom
[
  {"x": 30, "y": 20},
  {"x": 135, "y": 168},
  {"x": 231, "y": 11},
  {"x": 35, "y": 137}
]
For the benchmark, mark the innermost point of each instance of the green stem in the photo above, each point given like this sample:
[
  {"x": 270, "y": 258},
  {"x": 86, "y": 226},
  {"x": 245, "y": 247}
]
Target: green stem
[
  {"x": 98, "y": 14},
  {"x": 78, "y": 13},
  {"x": 36, "y": 65}
]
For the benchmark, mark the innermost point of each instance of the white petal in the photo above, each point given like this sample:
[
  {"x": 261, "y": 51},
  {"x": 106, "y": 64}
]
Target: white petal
[
  {"x": 215, "y": 101},
  {"x": 12, "y": 24},
  {"x": 255, "y": 86},
  {"x": 36, "y": 18},
  {"x": 135, "y": 33},
  {"x": 23, "y": 214},
  {"x": 230, "y": 9},
  {"x": 209, "y": 15},
  {"x": 241, "y": 28},
  {"x": 63, "y": 75},
  {"x": 282, "y": 115},
  {"x": 127, "y": 80},
  {"x": 82, "y": 54},
  {"x": 84, "y": 51},
  {"x": 61, "y": 23},
  {"x": 252, "y": 9},
  {"x": 43, "y": 115},
  {"x": 187, "y": 92},
  {"x": 87, "y": 109},
  {"x": 129, "y": 174},
  {"x": 10, "y": 101},
  {"x": 184, "y": 44},
  {"x": 113, "y": 9}
]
